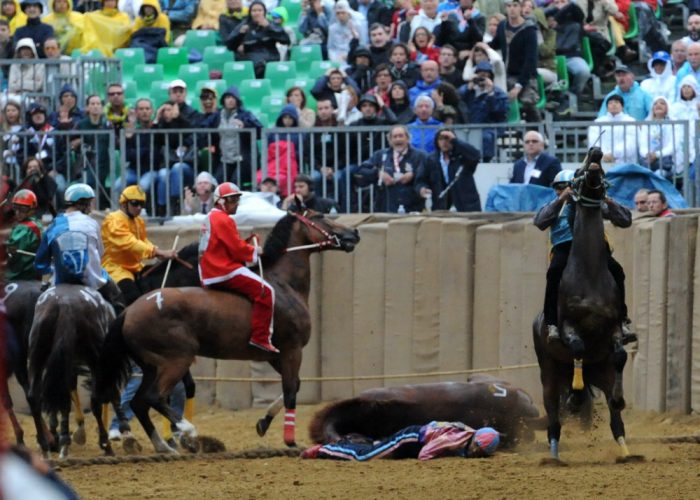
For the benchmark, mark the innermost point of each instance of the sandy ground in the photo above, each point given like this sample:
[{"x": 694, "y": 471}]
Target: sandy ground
[{"x": 669, "y": 471}]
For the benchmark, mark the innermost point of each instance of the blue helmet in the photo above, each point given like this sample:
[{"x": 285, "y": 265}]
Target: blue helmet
[
  {"x": 488, "y": 439},
  {"x": 77, "y": 192},
  {"x": 661, "y": 55},
  {"x": 563, "y": 177}
]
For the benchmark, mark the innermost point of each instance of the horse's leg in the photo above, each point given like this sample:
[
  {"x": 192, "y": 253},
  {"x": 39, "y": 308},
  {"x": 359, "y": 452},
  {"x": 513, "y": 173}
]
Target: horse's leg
[
  {"x": 190, "y": 389},
  {"x": 9, "y": 408},
  {"x": 575, "y": 343},
  {"x": 550, "y": 394},
  {"x": 274, "y": 408},
  {"x": 619, "y": 362},
  {"x": 290, "y": 386},
  {"x": 64, "y": 439},
  {"x": 43, "y": 435},
  {"x": 98, "y": 409},
  {"x": 167, "y": 378},
  {"x": 140, "y": 405},
  {"x": 53, "y": 429},
  {"x": 79, "y": 434}
]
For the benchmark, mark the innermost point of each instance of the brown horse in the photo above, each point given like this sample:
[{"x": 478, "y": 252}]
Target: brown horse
[
  {"x": 163, "y": 331},
  {"x": 482, "y": 401}
]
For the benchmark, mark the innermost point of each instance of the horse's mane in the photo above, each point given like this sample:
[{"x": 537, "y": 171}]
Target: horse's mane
[
  {"x": 276, "y": 243},
  {"x": 189, "y": 252}
]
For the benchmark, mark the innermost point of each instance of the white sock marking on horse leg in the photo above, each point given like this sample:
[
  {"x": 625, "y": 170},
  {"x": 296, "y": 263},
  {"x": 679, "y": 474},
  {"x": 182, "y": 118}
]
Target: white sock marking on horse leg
[
  {"x": 187, "y": 427},
  {"x": 160, "y": 445}
]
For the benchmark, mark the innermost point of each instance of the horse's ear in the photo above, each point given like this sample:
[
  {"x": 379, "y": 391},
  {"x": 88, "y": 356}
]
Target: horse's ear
[{"x": 298, "y": 204}]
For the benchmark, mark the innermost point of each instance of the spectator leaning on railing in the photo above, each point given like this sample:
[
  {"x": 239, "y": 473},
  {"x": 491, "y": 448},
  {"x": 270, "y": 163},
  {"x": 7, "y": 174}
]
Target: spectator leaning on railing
[
  {"x": 637, "y": 102},
  {"x": 619, "y": 140}
]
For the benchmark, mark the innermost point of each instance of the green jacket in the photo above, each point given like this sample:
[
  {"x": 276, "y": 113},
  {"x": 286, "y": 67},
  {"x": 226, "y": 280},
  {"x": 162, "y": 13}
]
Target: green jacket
[{"x": 25, "y": 236}]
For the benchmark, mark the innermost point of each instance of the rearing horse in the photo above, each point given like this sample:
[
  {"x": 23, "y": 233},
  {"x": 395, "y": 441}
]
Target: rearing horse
[
  {"x": 164, "y": 330},
  {"x": 589, "y": 315}
]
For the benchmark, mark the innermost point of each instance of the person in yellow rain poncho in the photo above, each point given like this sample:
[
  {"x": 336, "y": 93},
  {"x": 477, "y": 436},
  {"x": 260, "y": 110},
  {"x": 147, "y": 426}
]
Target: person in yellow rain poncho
[
  {"x": 106, "y": 29},
  {"x": 151, "y": 30},
  {"x": 208, "y": 12},
  {"x": 10, "y": 11},
  {"x": 67, "y": 24}
]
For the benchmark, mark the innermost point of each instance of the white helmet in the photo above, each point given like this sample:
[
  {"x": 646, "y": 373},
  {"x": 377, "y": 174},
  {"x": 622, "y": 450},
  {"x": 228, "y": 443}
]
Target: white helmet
[
  {"x": 225, "y": 190},
  {"x": 564, "y": 177}
]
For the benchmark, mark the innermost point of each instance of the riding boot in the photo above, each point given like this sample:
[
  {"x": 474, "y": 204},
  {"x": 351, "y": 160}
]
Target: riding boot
[{"x": 261, "y": 340}]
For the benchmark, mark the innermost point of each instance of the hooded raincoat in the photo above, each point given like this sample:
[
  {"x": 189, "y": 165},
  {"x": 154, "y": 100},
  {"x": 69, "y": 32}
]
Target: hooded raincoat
[
  {"x": 663, "y": 84},
  {"x": 26, "y": 77},
  {"x": 68, "y": 27}
]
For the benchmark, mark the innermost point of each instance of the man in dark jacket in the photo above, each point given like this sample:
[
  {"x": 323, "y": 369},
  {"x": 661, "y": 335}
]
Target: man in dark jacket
[
  {"x": 536, "y": 167},
  {"x": 331, "y": 83},
  {"x": 401, "y": 67},
  {"x": 177, "y": 92},
  {"x": 327, "y": 153},
  {"x": 516, "y": 38},
  {"x": 447, "y": 176},
  {"x": 303, "y": 188},
  {"x": 234, "y": 15},
  {"x": 34, "y": 29},
  {"x": 568, "y": 21}
]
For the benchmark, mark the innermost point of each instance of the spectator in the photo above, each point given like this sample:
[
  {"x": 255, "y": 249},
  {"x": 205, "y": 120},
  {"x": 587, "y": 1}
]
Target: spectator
[
  {"x": 297, "y": 97},
  {"x": 461, "y": 30},
  {"x": 691, "y": 66},
  {"x": 151, "y": 30},
  {"x": 693, "y": 27},
  {"x": 329, "y": 152},
  {"x": 449, "y": 171},
  {"x": 255, "y": 38},
  {"x": 13, "y": 15},
  {"x": 603, "y": 18},
  {"x": 283, "y": 151},
  {"x": 446, "y": 96},
  {"x": 536, "y": 166},
  {"x": 679, "y": 54},
  {"x": 341, "y": 32},
  {"x": 41, "y": 183},
  {"x": 422, "y": 46},
  {"x": 314, "y": 23},
  {"x": 486, "y": 103},
  {"x": 94, "y": 148},
  {"x": 483, "y": 53},
  {"x": 686, "y": 108},
  {"x": 400, "y": 104},
  {"x": 206, "y": 143},
  {"x": 303, "y": 189},
  {"x": 517, "y": 39},
  {"x": 430, "y": 79},
  {"x": 235, "y": 148},
  {"x": 657, "y": 140},
  {"x": 448, "y": 70},
  {"x": 140, "y": 148},
  {"x": 67, "y": 24},
  {"x": 332, "y": 84},
  {"x": 637, "y": 101},
  {"x": 6, "y": 49},
  {"x": 229, "y": 20},
  {"x": 68, "y": 114},
  {"x": 202, "y": 200},
  {"x": 427, "y": 17},
  {"x": 401, "y": 67},
  {"x": 380, "y": 45},
  {"x": 116, "y": 110},
  {"x": 640, "y": 202},
  {"x": 40, "y": 143},
  {"x": 279, "y": 17},
  {"x": 492, "y": 23},
  {"x": 360, "y": 71},
  {"x": 106, "y": 29},
  {"x": 180, "y": 11},
  {"x": 374, "y": 11},
  {"x": 547, "y": 47},
  {"x": 383, "y": 80},
  {"x": 657, "y": 204},
  {"x": 650, "y": 29},
  {"x": 394, "y": 169},
  {"x": 661, "y": 81},
  {"x": 619, "y": 141},
  {"x": 11, "y": 124},
  {"x": 57, "y": 73},
  {"x": 177, "y": 92},
  {"x": 373, "y": 114},
  {"x": 269, "y": 187},
  {"x": 424, "y": 128},
  {"x": 34, "y": 29},
  {"x": 347, "y": 108},
  {"x": 25, "y": 78},
  {"x": 568, "y": 23}
]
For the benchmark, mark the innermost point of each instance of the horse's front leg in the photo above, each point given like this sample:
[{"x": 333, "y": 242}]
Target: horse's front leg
[
  {"x": 290, "y": 386},
  {"x": 550, "y": 394},
  {"x": 64, "y": 440},
  {"x": 577, "y": 347}
]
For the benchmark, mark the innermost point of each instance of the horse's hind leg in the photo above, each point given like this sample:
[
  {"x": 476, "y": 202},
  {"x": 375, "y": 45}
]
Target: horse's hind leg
[
  {"x": 272, "y": 410},
  {"x": 619, "y": 361},
  {"x": 142, "y": 402},
  {"x": 64, "y": 440},
  {"x": 97, "y": 409},
  {"x": 79, "y": 434},
  {"x": 9, "y": 408},
  {"x": 551, "y": 392},
  {"x": 290, "y": 386}
]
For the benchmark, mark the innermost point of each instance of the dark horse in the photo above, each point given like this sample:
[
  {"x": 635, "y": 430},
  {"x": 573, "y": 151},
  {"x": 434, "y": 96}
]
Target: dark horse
[
  {"x": 589, "y": 314},
  {"x": 482, "y": 401},
  {"x": 69, "y": 328},
  {"x": 163, "y": 331}
]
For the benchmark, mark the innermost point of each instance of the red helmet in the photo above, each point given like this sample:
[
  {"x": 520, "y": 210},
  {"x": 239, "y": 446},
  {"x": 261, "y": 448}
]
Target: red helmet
[
  {"x": 225, "y": 190},
  {"x": 25, "y": 197}
]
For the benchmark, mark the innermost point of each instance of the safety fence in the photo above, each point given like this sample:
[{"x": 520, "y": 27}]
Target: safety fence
[{"x": 164, "y": 160}]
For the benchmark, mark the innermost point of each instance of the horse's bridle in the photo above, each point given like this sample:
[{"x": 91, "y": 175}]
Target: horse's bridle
[
  {"x": 329, "y": 240},
  {"x": 585, "y": 200}
]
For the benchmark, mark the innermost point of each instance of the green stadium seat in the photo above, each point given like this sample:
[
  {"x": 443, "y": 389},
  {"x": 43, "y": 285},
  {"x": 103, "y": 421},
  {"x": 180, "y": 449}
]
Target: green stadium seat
[
  {"x": 217, "y": 57},
  {"x": 130, "y": 92},
  {"x": 253, "y": 91},
  {"x": 587, "y": 53},
  {"x": 219, "y": 85},
  {"x": 172, "y": 58},
  {"x": 130, "y": 58},
  {"x": 192, "y": 73},
  {"x": 293, "y": 11},
  {"x": 159, "y": 92},
  {"x": 514, "y": 112},
  {"x": 92, "y": 54},
  {"x": 319, "y": 68},
  {"x": 304, "y": 55},
  {"x": 562, "y": 83},
  {"x": 237, "y": 71},
  {"x": 199, "y": 39},
  {"x": 541, "y": 91},
  {"x": 272, "y": 105},
  {"x": 633, "y": 29},
  {"x": 264, "y": 119},
  {"x": 278, "y": 73},
  {"x": 145, "y": 74}
]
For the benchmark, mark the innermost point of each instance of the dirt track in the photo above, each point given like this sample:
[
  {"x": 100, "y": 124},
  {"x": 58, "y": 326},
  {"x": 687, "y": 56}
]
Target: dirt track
[{"x": 670, "y": 470}]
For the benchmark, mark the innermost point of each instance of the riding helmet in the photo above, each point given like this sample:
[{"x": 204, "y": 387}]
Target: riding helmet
[
  {"x": 78, "y": 192},
  {"x": 132, "y": 193},
  {"x": 487, "y": 438},
  {"x": 25, "y": 197},
  {"x": 564, "y": 177},
  {"x": 225, "y": 190}
]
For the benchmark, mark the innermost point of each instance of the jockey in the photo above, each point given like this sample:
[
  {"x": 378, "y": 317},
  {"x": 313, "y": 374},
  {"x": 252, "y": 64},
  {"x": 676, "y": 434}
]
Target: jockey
[
  {"x": 558, "y": 215},
  {"x": 74, "y": 245},
  {"x": 126, "y": 243},
  {"x": 223, "y": 256},
  {"x": 25, "y": 236}
]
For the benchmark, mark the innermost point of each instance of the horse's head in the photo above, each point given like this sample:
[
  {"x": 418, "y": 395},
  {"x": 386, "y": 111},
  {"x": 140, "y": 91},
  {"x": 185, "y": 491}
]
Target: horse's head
[
  {"x": 589, "y": 184},
  {"x": 324, "y": 232}
]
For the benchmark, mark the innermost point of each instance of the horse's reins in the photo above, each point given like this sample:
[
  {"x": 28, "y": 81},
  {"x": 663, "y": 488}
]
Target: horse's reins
[
  {"x": 180, "y": 261},
  {"x": 331, "y": 240}
]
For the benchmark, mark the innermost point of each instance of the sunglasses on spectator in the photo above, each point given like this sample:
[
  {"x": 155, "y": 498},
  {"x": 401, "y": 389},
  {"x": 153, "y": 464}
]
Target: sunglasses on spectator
[
  {"x": 135, "y": 203},
  {"x": 115, "y": 93},
  {"x": 532, "y": 141}
]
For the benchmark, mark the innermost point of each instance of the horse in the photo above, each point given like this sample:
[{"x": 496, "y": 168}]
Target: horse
[
  {"x": 68, "y": 332},
  {"x": 481, "y": 401},
  {"x": 589, "y": 317},
  {"x": 163, "y": 331}
]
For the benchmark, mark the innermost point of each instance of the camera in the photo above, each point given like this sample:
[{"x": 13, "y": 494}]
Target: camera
[{"x": 478, "y": 80}]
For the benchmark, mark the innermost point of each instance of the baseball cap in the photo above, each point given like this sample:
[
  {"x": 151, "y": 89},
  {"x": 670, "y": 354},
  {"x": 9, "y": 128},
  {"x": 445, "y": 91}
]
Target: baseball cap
[
  {"x": 622, "y": 68},
  {"x": 177, "y": 83}
]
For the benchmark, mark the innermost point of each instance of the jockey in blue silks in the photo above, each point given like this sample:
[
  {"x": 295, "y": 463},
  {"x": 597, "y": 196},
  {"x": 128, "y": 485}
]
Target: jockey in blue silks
[{"x": 558, "y": 215}]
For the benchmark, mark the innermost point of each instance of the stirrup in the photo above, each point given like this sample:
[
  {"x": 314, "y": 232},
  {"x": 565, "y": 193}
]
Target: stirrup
[
  {"x": 552, "y": 333},
  {"x": 265, "y": 347}
]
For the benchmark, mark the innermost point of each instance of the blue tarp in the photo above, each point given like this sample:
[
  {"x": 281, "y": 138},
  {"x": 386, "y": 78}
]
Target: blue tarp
[{"x": 625, "y": 181}]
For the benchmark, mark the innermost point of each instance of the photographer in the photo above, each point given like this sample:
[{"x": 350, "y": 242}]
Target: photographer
[{"x": 485, "y": 103}]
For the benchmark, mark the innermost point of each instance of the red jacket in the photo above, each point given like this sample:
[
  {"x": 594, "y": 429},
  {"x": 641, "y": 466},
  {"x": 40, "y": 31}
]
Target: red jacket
[{"x": 221, "y": 249}]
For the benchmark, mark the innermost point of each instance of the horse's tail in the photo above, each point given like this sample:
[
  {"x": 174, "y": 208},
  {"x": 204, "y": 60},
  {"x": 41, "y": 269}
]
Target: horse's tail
[
  {"x": 321, "y": 428},
  {"x": 114, "y": 366},
  {"x": 59, "y": 374},
  {"x": 343, "y": 417}
]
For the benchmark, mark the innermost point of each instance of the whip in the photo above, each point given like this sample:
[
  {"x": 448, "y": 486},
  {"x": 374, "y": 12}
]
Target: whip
[{"x": 170, "y": 262}]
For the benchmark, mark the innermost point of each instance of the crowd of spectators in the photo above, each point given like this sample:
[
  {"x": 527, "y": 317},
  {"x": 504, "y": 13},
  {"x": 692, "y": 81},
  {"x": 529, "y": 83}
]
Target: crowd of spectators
[{"x": 421, "y": 65}]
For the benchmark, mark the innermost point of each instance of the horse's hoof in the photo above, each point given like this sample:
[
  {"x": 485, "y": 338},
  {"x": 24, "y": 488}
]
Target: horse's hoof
[
  {"x": 291, "y": 444},
  {"x": 171, "y": 442},
  {"x": 190, "y": 443},
  {"x": 631, "y": 459},
  {"x": 549, "y": 461},
  {"x": 64, "y": 453},
  {"x": 109, "y": 452},
  {"x": 262, "y": 426},
  {"x": 131, "y": 445},
  {"x": 208, "y": 444},
  {"x": 79, "y": 435}
]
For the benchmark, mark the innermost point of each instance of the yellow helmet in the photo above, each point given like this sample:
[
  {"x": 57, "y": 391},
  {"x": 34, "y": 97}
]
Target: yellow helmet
[{"x": 132, "y": 193}]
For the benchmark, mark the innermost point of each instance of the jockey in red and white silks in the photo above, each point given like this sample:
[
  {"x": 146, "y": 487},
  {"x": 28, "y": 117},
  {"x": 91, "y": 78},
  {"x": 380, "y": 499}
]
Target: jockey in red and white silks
[{"x": 223, "y": 257}]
